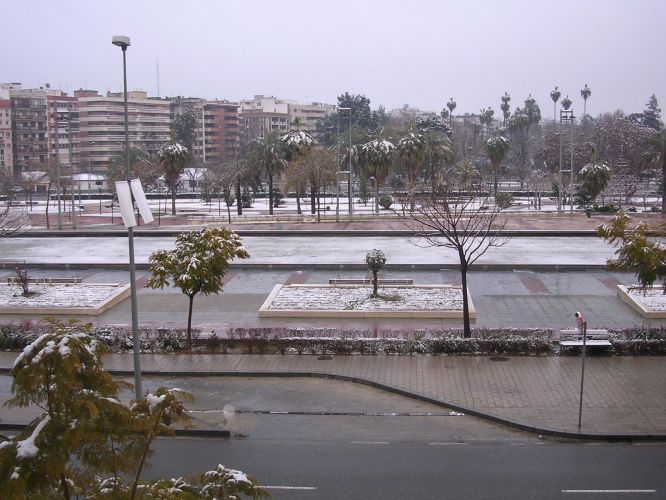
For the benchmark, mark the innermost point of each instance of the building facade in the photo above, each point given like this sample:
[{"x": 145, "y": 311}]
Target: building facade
[
  {"x": 29, "y": 128},
  {"x": 306, "y": 116},
  {"x": 216, "y": 137},
  {"x": 6, "y": 157},
  {"x": 261, "y": 116},
  {"x": 102, "y": 126},
  {"x": 63, "y": 130}
]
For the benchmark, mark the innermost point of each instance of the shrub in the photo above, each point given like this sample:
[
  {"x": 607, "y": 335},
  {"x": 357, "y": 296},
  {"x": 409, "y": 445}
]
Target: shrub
[
  {"x": 503, "y": 200},
  {"x": 385, "y": 201},
  {"x": 14, "y": 337}
]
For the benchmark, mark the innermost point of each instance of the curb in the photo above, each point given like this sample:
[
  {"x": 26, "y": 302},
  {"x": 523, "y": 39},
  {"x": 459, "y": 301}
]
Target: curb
[
  {"x": 324, "y": 233},
  {"x": 337, "y": 267},
  {"x": 178, "y": 432},
  {"x": 612, "y": 437}
]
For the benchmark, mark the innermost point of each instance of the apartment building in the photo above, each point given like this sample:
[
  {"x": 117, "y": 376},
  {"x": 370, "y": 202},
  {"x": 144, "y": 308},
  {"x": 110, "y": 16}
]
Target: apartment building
[
  {"x": 6, "y": 160},
  {"x": 306, "y": 116},
  {"x": 102, "y": 125},
  {"x": 63, "y": 130},
  {"x": 28, "y": 128},
  {"x": 216, "y": 134},
  {"x": 261, "y": 116}
]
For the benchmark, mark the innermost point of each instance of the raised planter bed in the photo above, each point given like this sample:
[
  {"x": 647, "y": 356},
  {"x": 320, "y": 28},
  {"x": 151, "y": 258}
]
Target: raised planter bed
[
  {"x": 651, "y": 304},
  {"x": 62, "y": 298},
  {"x": 354, "y": 301}
]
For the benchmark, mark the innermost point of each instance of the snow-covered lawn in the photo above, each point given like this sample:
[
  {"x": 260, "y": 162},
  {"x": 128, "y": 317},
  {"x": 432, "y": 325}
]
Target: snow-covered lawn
[
  {"x": 650, "y": 304},
  {"x": 352, "y": 300},
  {"x": 51, "y": 297}
]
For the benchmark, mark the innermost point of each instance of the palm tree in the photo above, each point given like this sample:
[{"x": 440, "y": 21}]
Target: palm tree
[
  {"x": 173, "y": 158},
  {"x": 141, "y": 166},
  {"x": 439, "y": 150},
  {"x": 566, "y": 102},
  {"x": 377, "y": 157},
  {"x": 506, "y": 107},
  {"x": 496, "y": 149},
  {"x": 555, "y": 96},
  {"x": 411, "y": 151},
  {"x": 585, "y": 93},
  {"x": 451, "y": 105},
  {"x": 269, "y": 154}
]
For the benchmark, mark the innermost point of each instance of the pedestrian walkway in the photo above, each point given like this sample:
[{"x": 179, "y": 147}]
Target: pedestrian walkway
[{"x": 624, "y": 396}]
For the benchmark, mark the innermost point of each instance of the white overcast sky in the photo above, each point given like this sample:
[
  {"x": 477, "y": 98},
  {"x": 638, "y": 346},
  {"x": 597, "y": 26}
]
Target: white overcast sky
[{"x": 416, "y": 52}]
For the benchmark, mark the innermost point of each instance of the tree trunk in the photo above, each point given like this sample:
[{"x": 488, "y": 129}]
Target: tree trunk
[
  {"x": 663, "y": 182},
  {"x": 65, "y": 487},
  {"x": 239, "y": 205},
  {"x": 229, "y": 212},
  {"x": 313, "y": 195},
  {"x": 270, "y": 193},
  {"x": 318, "y": 207},
  {"x": 298, "y": 203},
  {"x": 495, "y": 176},
  {"x": 375, "y": 284},
  {"x": 189, "y": 321},
  {"x": 463, "y": 278},
  {"x": 48, "y": 196},
  {"x": 173, "y": 200}
]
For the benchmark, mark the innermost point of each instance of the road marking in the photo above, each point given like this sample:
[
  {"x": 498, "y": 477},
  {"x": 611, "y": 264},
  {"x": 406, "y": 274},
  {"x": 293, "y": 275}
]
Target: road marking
[
  {"x": 609, "y": 491},
  {"x": 370, "y": 442},
  {"x": 445, "y": 444},
  {"x": 309, "y": 488}
]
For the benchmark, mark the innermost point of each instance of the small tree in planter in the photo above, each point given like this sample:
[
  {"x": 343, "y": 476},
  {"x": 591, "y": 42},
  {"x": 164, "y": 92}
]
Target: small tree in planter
[
  {"x": 385, "y": 201},
  {"x": 636, "y": 253},
  {"x": 23, "y": 279},
  {"x": 375, "y": 260},
  {"x": 197, "y": 264}
]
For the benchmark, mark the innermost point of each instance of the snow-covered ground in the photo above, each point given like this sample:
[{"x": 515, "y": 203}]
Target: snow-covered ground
[
  {"x": 653, "y": 299},
  {"x": 260, "y": 207},
  {"x": 56, "y": 295},
  {"x": 313, "y": 298}
]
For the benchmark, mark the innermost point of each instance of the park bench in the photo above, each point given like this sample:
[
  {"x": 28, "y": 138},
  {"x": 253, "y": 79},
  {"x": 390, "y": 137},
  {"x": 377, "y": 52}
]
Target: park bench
[
  {"x": 367, "y": 281},
  {"x": 570, "y": 337},
  {"x": 12, "y": 280}
]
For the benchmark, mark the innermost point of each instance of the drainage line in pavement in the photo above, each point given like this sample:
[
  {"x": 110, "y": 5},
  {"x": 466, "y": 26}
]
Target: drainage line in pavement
[{"x": 336, "y": 413}]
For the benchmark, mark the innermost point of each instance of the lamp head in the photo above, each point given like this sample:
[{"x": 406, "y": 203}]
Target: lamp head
[{"x": 121, "y": 41}]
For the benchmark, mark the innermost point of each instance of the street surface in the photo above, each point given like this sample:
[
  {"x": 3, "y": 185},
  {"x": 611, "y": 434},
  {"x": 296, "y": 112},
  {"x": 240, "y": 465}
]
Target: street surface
[{"x": 427, "y": 470}]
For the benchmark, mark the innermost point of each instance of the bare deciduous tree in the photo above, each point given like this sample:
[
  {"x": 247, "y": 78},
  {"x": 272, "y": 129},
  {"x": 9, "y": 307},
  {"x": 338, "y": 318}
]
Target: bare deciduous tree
[{"x": 463, "y": 222}]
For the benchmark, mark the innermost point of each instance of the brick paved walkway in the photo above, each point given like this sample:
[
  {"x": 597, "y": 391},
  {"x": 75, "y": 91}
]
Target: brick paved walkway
[{"x": 623, "y": 395}]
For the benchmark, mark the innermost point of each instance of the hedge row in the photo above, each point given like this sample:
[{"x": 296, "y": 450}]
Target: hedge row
[
  {"x": 347, "y": 341},
  {"x": 510, "y": 341}
]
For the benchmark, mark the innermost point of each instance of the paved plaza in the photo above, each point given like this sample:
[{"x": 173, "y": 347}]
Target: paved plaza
[{"x": 534, "y": 281}]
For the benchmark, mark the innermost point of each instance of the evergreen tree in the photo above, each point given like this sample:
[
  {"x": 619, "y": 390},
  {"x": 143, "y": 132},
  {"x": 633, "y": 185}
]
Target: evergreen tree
[{"x": 652, "y": 114}]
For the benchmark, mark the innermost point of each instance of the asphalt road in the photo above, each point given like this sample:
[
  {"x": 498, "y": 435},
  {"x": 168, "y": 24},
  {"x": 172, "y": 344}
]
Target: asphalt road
[{"x": 435, "y": 470}]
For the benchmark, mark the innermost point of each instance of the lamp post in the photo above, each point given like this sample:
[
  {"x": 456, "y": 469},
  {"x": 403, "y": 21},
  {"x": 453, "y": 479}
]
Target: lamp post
[
  {"x": 123, "y": 42},
  {"x": 350, "y": 198}
]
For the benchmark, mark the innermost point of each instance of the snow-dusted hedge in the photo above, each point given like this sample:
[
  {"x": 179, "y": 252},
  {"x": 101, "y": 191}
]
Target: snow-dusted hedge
[
  {"x": 632, "y": 341},
  {"x": 639, "y": 341},
  {"x": 346, "y": 341}
]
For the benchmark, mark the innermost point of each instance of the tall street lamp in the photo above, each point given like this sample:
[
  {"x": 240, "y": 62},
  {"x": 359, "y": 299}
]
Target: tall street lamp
[
  {"x": 123, "y": 42},
  {"x": 349, "y": 172}
]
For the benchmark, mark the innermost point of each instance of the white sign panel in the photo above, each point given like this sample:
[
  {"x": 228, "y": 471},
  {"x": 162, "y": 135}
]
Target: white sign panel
[
  {"x": 125, "y": 202},
  {"x": 141, "y": 202}
]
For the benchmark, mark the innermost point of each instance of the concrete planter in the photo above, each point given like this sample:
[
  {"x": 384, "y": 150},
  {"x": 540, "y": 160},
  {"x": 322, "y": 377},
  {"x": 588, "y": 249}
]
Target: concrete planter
[
  {"x": 641, "y": 305},
  {"x": 109, "y": 294},
  {"x": 353, "y": 301}
]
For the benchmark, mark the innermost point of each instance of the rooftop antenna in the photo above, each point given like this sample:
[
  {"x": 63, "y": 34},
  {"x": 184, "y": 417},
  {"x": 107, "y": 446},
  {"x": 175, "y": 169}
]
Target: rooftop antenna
[{"x": 158, "y": 78}]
